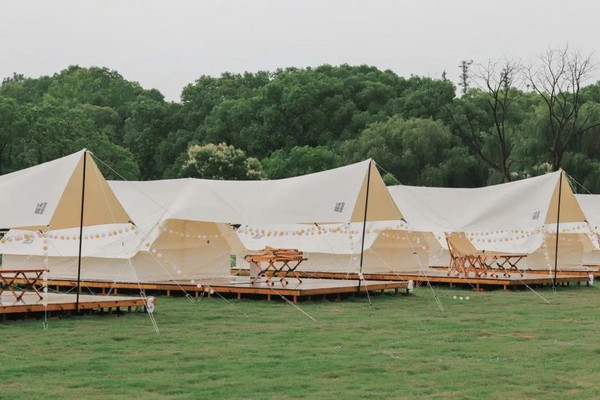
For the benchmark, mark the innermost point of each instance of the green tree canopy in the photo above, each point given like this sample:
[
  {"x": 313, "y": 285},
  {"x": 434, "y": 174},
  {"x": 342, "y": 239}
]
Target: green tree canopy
[
  {"x": 414, "y": 151},
  {"x": 220, "y": 161},
  {"x": 300, "y": 161}
]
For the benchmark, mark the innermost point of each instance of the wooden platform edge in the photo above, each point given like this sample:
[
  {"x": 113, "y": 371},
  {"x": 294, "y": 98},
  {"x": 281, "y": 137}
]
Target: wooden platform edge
[
  {"x": 291, "y": 290},
  {"x": 541, "y": 278},
  {"x": 107, "y": 303}
]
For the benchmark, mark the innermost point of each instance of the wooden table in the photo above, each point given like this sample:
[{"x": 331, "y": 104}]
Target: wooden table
[
  {"x": 18, "y": 281},
  {"x": 279, "y": 263},
  {"x": 501, "y": 261}
]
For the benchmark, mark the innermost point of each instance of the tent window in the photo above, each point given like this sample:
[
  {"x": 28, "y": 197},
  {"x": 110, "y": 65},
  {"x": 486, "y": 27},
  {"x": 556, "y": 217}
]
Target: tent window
[
  {"x": 339, "y": 207},
  {"x": 536, "y": 215}
]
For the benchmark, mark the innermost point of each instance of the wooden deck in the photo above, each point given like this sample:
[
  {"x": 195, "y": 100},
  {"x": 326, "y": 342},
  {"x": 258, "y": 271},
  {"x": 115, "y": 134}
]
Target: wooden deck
[
  {"x": 439, "y": 275},
  {"x": 243, "y": 286},
  {"x": 513, "y": 281},
  {"x": 30, "y": 303}
]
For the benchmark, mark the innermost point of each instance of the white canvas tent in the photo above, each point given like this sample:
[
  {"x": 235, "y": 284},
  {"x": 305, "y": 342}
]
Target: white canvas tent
[
  {"x": 52, "y": 197},
  {"x": 334, "y": 196},
  {"x": 343, "y": 195},
  {"x": 338, "y": 195},
  {"x": 515, "y": 217},
  {"x": 590, "y": 204},
  {"x": 160, "y": 245},
  {"x": 182, "y": 226},
  {"x": 332, "y": 247},
  {"x": 179, "y": 238}
]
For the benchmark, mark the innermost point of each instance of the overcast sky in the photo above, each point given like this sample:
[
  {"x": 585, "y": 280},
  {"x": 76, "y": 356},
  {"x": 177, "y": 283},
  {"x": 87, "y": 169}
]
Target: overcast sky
[{"x": 166, "y": 44}]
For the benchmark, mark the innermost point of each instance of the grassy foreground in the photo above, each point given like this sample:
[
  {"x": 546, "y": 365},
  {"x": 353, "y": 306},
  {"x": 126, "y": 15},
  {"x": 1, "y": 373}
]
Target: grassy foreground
[{"x": 496, "y": 345}]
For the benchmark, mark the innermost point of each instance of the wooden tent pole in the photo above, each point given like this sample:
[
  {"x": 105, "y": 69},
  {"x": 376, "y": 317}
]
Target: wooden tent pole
[
  {"x": 362, "y": 244},
  {"x": 80, "y": 232},
  {"x": 557, "y": 230}
]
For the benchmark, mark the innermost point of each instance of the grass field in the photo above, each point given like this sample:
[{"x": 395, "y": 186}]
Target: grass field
[{"x": 496, "y": 345}]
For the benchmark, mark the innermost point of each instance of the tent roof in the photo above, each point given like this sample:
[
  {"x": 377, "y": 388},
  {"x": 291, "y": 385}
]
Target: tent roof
[
  {"x": 334, "y": 196},
  {"x": 523, "y": 204},
  {"x": 49, "y": 195},
  {"x": 590, "y": 204}
]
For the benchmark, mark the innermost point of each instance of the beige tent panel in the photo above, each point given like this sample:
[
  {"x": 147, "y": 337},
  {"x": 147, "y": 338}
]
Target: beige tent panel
[
  {"x": 183, "y": 234},
  {"x": 101, "y": 205},
  {"x": 381, "y": 205},
  {"x": 570, "y": 211}
]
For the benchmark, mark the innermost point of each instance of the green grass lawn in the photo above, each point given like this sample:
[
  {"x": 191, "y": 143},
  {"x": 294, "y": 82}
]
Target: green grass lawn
[{"x": 496, "y": 345}]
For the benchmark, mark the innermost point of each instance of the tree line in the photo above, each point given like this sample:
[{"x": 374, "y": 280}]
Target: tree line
[{"x": 502, "y": 121}]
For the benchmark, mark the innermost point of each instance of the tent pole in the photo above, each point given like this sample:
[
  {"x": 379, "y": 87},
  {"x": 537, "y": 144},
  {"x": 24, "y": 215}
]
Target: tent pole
[
  {"x": 557, "y": 230},
  {"x": 80, "y": 233},
  {"x": 362, "y": 244}
]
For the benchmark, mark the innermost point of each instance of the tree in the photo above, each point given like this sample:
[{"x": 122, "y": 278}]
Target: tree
[
  {"x": 488, "y": 118},
  {"x": 299, "y": 107},
  {"x": 464, "y": 75},
  {"x": 300, "y": 160},
  {"x": 145, "y": 129},
  {"x": 423, "y": 98},
  {"x": 415, "y": 152},
  {"x": 169, "y": 150},
  {"x": 11, "y": 125},
  {"x": 219, "y": 162},
  {"x": 207, "y": 92},
  {"x": 51, "y": 130},
  {"x": 498, "y": 80},
  {"x": 585, "y": 170},
  {"x": 13, "y": 79},
  {"x": 558, "y": 81},
  {"x": 98, "y": 86},
  {"x": 25, "y": 90}
]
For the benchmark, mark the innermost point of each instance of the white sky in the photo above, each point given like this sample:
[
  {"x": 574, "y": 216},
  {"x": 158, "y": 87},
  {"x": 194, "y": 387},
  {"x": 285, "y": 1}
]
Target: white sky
[{"x": 166, "y": 44}]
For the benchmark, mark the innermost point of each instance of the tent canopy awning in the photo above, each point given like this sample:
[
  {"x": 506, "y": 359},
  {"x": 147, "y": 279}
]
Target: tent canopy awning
[
  {"x": 335, "y": 196},
  {"x": 524, "y": 204},
  {"x": 590, "y": 204}
]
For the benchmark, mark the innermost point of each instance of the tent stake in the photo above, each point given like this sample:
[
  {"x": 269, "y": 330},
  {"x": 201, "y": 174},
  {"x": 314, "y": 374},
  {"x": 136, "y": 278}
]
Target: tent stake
[
  {"x": 80, "y": 233},
  {"x": 362, "y": 244},
  {"x": 557, "y": 230}
]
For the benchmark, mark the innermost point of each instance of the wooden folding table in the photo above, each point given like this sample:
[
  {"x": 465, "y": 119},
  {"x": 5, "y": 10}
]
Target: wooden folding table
[
  {"x": 279, "y": 263},
  {"x": 18, "y": 281}
]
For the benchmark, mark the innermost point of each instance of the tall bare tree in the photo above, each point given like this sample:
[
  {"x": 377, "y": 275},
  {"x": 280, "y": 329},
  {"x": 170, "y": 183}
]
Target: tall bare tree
[
  {"x": 484, "y": 115},
  {"x": 558, "y": 80},
  {"x": 500, "y": 81},
  {"x": 464, "y": 75}
]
